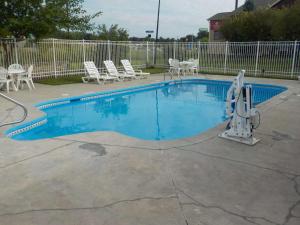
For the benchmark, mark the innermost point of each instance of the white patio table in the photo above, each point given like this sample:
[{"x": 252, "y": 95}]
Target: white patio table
[
  {"x": 186, "y": 66},
  {"x": 14, "y": 74}
]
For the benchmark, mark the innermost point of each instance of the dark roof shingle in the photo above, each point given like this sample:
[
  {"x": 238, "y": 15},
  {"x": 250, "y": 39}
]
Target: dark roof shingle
[
  {"x": 221, "y": 16},
  {"x": 258, "y": 4}
]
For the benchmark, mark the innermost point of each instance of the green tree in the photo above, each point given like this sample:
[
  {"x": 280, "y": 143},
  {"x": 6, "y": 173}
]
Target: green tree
[
  {"x": 114, "y": 33},
  {"x": 41, "y": 18},
  {"x": 202, "y": 35},
  {"x": 188, "y": 38},
  {"x": 287, "y": 24},
  {"x": 250, "y": 26},
  {"x": 248, "y": 6},
  {"x": 264, "y": 25}
]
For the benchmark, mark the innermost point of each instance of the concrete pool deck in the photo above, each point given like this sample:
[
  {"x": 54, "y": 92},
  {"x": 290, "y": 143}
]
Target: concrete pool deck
[{"x": 109, "y": 178}]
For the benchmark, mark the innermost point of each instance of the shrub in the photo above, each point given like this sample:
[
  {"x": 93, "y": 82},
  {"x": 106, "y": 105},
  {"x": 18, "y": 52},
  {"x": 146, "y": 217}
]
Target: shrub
[{"x": 264, "y": 25}]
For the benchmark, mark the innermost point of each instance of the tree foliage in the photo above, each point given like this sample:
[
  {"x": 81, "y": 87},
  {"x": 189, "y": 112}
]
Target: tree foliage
[
  {"x": 114, "y": 33},
  {"x": 74, "y": 35},
  {"x": 248, "y": 6},
  {"x": 202, "y": 35},
  {"x": 264, "y": 25},
  {"x": 40, "y": 18},
  {"x": 188, "y": 38}
]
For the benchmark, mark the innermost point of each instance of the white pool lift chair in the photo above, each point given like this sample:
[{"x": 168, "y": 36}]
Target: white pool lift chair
[
  {"x": 113, "y": 71},
  {"x": 244, "y": 118},
  {"x": 129, "y": 69},
  {"x": 94, "y": 75}
]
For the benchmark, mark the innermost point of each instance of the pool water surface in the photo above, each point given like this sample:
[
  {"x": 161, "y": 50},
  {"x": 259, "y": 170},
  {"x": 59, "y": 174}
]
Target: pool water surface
[{"x": 163, "y": 111}]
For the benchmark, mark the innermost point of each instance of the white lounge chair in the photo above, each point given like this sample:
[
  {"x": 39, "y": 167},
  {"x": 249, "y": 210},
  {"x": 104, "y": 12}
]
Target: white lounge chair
[
  {"x": 129, "y": 69},
  {"x": 94, "y": 75},
  {"x": 26, "y": 78},
  {"x": 6, "y": 80},
  {"x": 112, "y": 71}
]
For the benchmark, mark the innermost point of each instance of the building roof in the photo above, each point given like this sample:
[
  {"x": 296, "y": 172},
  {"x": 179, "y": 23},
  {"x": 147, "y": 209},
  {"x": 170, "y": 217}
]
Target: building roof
[
  {"x": 258, "y": 4},
  {"x": 220, "y": 16}
]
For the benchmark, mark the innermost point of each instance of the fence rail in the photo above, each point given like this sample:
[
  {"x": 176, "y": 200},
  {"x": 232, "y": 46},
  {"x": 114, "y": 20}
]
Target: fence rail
[{"x": 55, "y": 57}]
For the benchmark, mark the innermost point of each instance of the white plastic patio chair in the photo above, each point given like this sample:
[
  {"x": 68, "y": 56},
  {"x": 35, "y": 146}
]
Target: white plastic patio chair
[
  {"x": 94, "y": 75},
  {"x": 195, "y": 67},
  {"x": 26, "y": 78},
  {"x": 175, "y": 67},
  {"x": 5, "y": 80},
  {"x": 112, "y": 71},
  {"x": 129, "y": 69}
]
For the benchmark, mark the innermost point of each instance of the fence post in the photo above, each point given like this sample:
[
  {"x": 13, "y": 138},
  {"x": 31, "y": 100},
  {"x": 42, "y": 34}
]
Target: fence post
[
  {"x": 54, "y": 58},
  {"x": 147, "y": 53},
  {"x": 83, "y": 51},
  {"x": 108, "y": 47},
  {"x": 130, "y": 51},
  {"x": 174, "y": 50},
  {"x": 16, "y": 51},
  {"x": 199, "y": 45},
  {"x": 294, "y": 58},
  {"x": 226, "y": 55},
  {"x": 257, "y": 56},
  {"x": 153, "y": 50}
]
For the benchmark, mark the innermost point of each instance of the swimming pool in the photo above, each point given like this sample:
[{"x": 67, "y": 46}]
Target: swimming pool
[{"x": 162, "y": 111}]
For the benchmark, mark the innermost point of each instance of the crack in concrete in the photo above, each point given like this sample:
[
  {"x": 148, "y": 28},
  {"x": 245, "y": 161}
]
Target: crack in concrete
[
  {"x": 170, "y": 175},
  {"x": 197, "y": 203},
  {"x": 278, "y": 136},
  {"x": 88, "y": 208},
  {"x": 179, "y": 202},
  {"x": 290, "y": 214},
  {"x": 193, "y": 143},
  {"x": 181, "y": 205},
  {"x": 143, "y": 148},
  {"x": 35, "y": 156},
  {"x": 296, "y": 186},
  {"x": 112, "y": 145},
  {"x": 249, "y": 219},
  {"x": 180, "y": 148},
  {"x": 9, "y": 114},
  {"x": 284, "y": 173}
]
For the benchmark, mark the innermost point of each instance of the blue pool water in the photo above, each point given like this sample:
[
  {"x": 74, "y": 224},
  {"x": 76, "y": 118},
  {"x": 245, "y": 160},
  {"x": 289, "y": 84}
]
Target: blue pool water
[{"x": 164, "y": 111}]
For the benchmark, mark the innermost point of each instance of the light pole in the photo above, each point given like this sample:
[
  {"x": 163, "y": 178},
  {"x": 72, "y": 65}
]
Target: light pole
[
  {"x": 236, "y": 4},
  {"x": 157, "y": 27}
]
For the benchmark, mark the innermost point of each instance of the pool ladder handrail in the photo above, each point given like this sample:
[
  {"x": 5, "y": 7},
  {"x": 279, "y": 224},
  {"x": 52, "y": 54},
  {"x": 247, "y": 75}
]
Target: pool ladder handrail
[{"x": 19, "y": 104}]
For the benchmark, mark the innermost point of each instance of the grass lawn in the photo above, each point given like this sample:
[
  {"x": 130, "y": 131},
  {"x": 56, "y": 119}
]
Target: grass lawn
[
  {"x": 155, "y": 70},
  {"x": 60, "y": 80},
  {"x": 77, "y": 79}
]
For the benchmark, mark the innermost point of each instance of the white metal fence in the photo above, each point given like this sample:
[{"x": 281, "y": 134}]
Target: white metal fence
[{"x": 53, "y": 57}]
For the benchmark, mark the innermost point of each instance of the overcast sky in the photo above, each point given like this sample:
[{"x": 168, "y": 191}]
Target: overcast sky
[{"x": 178, "y": 17}]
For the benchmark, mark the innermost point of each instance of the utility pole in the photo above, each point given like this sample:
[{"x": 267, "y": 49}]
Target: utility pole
[
  {"x": 236, "y": 4},
  {"x": 157, "y": 27}
]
